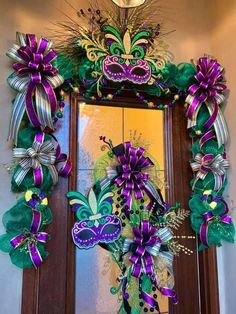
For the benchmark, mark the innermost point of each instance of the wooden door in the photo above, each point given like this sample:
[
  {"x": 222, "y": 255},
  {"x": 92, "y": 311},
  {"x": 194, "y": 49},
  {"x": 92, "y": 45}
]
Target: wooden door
[{"x": 51, "y": 289}]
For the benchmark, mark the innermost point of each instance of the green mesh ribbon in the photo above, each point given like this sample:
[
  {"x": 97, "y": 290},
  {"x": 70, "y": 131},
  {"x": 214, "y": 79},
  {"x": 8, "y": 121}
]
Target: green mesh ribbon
[
  {"x": 210, "y": 147},
  {"x": 208, "y": 219},
  {"x": 20, "y": 256},
  {"x": 213, "y": 203},
  {"x": 180, "y": 76},
  {"x": 18, "y": 220},
  {"x": 21, "y": 213}
]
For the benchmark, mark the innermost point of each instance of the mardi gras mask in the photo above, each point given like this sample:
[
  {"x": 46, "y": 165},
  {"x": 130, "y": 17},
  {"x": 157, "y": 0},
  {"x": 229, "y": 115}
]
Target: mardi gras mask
[
  {"x": 95, "y": 220},
  {"x": 126, "y": 62}
]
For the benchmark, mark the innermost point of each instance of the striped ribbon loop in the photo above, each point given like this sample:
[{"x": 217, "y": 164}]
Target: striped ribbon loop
[
  {"x": 41, "y": 154},
  {"x": 204, "y": 164}
]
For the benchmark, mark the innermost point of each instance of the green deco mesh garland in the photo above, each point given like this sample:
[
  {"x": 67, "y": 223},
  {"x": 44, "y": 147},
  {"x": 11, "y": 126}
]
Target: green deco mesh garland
[
  {"x": 209, "y": 210},
  {"x": 37, "y": 155}
]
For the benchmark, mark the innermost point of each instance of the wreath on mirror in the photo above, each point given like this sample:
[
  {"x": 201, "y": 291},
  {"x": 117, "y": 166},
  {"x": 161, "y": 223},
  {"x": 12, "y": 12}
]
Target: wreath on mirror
[{"x": 108, "y": 51}]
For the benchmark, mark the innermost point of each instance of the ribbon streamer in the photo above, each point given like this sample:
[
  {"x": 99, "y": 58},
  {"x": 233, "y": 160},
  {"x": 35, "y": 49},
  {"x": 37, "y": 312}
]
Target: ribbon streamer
[
  {"x": 41, "y": 154},
  {"x": 31, "y": 238},
  {"x": 204, "y": 164},
  {"x": 208, "y": 89},
  {"x": 34, "y": 76},
  {"x": 145, "y": 246}
]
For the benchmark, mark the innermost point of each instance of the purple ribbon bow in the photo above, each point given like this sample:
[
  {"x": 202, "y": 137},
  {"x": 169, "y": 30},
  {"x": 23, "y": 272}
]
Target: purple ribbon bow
[
  {"x": 208, "y": 217},
  {"x": 143, "y": 248},
  {"x": 208, "y": 88},
  {"x": 130, "y": 176},
  {"x": 31, "y": 238},
  {"x": 141, "y": 258},
  {"x": 34, "y": 76}
]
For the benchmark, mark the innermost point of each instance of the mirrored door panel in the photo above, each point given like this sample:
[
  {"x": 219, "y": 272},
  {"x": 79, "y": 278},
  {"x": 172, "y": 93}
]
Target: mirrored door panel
[{"x": 95, "y": 271}]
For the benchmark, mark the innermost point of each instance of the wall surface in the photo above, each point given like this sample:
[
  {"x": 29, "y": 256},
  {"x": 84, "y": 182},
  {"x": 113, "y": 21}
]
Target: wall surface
[{"x": 201, "y": 26}]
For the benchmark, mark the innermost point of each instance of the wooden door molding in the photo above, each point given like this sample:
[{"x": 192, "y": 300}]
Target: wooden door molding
[
  {"x": 200, "y": 267},
  {"x": 51, "y": 289}
]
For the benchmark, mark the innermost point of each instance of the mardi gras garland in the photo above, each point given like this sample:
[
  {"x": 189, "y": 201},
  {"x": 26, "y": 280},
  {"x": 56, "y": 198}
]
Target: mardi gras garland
[
  {"x": 114, "y": 51},
  {"x": 123, "y": 50},
  {"x": 37, "y": 154}
]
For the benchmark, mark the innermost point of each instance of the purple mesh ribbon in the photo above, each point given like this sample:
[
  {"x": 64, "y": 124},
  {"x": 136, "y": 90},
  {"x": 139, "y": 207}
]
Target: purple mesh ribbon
[{"x": 31, "y": 238}]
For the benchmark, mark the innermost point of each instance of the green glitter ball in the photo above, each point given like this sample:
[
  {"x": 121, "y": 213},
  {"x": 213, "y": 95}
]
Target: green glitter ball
[{"x": 59, "y": 115}]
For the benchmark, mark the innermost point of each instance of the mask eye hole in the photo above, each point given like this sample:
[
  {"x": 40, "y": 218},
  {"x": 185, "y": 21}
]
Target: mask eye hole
[
  {"x": 110, "y": 229},
  {"x": 139, "y": 71},
  {"x": 86, "y": 234},
  {"x": 115, "y": 68}
]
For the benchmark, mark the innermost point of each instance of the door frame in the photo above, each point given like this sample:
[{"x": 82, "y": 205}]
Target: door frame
[{"x": 51, "y": 288}]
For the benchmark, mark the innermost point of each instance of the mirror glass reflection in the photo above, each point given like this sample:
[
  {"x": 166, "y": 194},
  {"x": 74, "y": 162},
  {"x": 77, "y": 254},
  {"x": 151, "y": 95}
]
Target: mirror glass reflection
[{"x": 95, "y": 271}]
